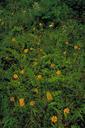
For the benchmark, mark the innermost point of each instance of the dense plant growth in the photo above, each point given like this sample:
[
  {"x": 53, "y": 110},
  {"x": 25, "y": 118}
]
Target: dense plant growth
[{"x": 42, "y": 63}]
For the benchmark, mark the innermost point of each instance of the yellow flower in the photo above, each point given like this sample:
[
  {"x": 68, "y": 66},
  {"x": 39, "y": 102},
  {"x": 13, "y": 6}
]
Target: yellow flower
[
  {"x": 66, "y": 42},
  {"x": 66, "y": 111},
  {"x": 51, "y": 25},
  {"x": 39, "y": 77},
  {"x": 40, "y": 24},
  {"x": 13, "y": 39},
  {"x": 34, "y": 29},
  {"x": 41, "y": 50},
  {"x": 76, "y": 47},
  {"x": 64, "y": 52},
  {"x": 22, "y": 71},
  {"x": 54, "y": 119},
  {"x": 31, "y": 49},
  {"x": 12, "y": 99},
  {"x": 21, "y": 102},
  {"x": 35, "y": 90},
  {"x": 32, "y": 103},
  {"x": 49, "y": 96},
  {"x": 15, "y": 77},
  {"x": 58, "y": 73},
  {"x": 52, "y": 65},
  {"x": 26, "y": 50}
]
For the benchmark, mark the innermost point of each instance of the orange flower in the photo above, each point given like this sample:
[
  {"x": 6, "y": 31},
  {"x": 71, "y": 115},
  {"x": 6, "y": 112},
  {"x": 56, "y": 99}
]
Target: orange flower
[
  {"x": 26, "y": 50},
  {"x": 54, "y": 119},
  {"x": 15, "y": 77},
  {"x": 21, "y": 102},
  {"x": 49, "y": 96},
  {"x": 66, "y": 111},
  {"x": 39, "y": 77},
  {"x": 32, "y": 103},
  {"x": 52, "y": 65},
  {"x": 58, "y": 73}
]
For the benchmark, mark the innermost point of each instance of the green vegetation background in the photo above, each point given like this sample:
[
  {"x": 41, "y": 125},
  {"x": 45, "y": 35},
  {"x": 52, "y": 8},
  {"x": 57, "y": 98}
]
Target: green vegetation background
[{"x": 42, "y": 43}]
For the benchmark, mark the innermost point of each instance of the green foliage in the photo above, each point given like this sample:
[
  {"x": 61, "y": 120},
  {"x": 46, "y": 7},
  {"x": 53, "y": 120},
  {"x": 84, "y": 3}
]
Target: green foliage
[{"x": 42, "y": 64}]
